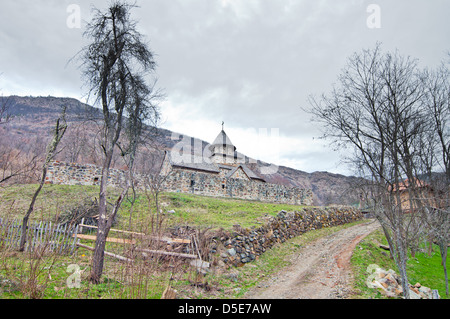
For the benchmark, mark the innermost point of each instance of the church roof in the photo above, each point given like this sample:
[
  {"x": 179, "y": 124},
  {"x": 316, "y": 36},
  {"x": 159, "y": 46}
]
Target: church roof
[
  {"x": 192, "y": 162},
  {"x": 199, "y": 163},
  {"x": 247, "y": 171},
  {"x": 222, "y": 139}
]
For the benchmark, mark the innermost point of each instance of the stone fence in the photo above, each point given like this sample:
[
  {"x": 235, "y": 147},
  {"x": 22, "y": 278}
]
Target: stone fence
[
  {"x": 245, "y": 245},
  {"x": 206, "y": 184},
  {"x": 183, "y": 181},
  {"x": 81, "y": 174}
]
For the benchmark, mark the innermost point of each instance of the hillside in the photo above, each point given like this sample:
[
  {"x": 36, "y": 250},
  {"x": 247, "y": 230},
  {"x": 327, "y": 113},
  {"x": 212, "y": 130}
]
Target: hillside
[{"x": 34, "y": 118}]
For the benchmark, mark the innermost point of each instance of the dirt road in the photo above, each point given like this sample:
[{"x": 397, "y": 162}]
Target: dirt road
[{"x": 320, "y": 271}]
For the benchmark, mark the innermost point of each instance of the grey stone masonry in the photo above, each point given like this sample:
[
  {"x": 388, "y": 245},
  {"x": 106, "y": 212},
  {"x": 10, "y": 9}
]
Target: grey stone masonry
[{"x": 185, "y": 181}]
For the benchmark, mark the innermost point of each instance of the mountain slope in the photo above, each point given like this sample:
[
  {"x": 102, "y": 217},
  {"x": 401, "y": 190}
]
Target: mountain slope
[{"x": 34, "y": 118}]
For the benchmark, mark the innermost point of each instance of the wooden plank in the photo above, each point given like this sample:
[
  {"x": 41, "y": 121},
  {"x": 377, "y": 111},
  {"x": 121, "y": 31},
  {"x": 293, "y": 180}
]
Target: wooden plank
[
  {"x": 61, "y": 235},
  {"x": 116, "y": 230},
  {"x": 161, "y": 238},
  {"x": 170, "y": 240},
  {"x": 167, "y": 253},
  {"x": 66, "y": 237},
  {"x": 109, "y": 239},
  {"x": 107, "y": 253},
  {"x": 74, "y": 238}
]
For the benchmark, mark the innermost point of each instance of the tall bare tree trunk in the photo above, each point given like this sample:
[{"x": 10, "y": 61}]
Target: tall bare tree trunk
[
  {"x": 50, "y": 154},
  {"x": 30, "y": 210},
  {"x": 105, "y": 221},
  {"x": 102, "y": 230},
  {"x": 116, "y": 64}
]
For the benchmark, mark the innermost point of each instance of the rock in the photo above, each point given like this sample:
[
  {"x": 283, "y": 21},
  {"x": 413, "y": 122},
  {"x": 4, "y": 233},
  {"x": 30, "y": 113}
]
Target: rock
[
  {"x": 384, "y": 283},
  {"x": 282, "y": 214},
  {"x": 388, "y": 283},
  {"x": 435, "y": 294},
  {"x": 231, "y": 251},
  {"x": 245, "y": 260},
  {"x": 232, "y": 275},
  {"x": 414, "y": 289},
  {"x": 380, "y": 273},
  {"x": 413, "y": 294},
  {"x": 221, "y": 264},
  {"x": 390, "y": 279},
  {"x": 425, "y": 290}
]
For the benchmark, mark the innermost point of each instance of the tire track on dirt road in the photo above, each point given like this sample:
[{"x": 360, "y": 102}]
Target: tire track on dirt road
[{"x": 321, "y": 270}]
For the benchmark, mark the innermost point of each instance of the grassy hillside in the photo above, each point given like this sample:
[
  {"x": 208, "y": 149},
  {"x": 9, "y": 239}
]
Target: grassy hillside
[
  {"x": 25, "y": 276},
  {"x": 185, "y": 209}
]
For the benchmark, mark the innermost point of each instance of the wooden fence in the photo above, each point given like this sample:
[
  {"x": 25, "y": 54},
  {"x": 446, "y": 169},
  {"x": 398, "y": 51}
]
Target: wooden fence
[
  {"x": 43, "y": 235},
  {"x": 46, "y": 236}
]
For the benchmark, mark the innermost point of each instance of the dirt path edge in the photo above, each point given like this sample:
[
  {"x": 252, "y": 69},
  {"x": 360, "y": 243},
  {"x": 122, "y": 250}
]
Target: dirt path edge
[{"x": 321, "y": 270}]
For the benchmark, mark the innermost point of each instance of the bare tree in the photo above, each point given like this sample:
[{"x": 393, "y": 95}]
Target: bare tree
[
  {"x": 58, "y": 133},
  {"x": 75, "y": 143},
  {"x": 15, "y": 163},
  {"x": 376, "y": 112},
  {"x": 115, "y": 65},
  {"x": 435, "y": 156},
  {"x": 155, "y": 175}
]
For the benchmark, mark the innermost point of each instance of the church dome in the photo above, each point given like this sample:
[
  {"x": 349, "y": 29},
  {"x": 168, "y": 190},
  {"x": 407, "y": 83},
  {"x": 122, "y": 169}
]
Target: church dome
[{"x": 222, "y": 140}]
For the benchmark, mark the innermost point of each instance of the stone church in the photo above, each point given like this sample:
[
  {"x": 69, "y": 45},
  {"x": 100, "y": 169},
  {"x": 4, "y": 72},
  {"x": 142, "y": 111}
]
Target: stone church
[
  {"x": 222, "y": 171},
  {"x": 221, "y": 161}
]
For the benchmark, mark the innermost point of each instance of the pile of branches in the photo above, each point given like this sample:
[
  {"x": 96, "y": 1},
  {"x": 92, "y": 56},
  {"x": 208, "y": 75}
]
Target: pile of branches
[{"x": 88, "y": 210}]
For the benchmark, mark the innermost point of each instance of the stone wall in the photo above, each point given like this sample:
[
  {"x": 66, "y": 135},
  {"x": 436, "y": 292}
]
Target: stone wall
[
  {"x": 184, "y": 181},
  {"x": 80, "y": 174},
  {"x": 245, "y": 245},
  {"x": 210, "y": 185}
]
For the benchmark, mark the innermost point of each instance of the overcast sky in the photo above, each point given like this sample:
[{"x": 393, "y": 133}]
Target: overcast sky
[{"x": 249, "y": 63}]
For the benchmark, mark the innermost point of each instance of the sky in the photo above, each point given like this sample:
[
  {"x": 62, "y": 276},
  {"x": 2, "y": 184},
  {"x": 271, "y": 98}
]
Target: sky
[{"x": 249, "y": 63}]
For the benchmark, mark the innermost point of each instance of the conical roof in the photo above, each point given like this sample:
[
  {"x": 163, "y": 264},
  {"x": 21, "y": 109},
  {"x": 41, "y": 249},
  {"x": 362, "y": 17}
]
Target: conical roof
[{"x": 223, "y": 139}]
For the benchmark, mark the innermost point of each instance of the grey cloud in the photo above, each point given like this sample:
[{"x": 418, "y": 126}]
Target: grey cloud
[{"x": 250, "y": 63}]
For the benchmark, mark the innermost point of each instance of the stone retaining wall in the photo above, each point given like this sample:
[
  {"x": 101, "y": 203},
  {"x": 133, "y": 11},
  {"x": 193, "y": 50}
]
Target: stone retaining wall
[
  {"x": 245, "y": 245},
  {"x": 206, "y": 184},
  {"x": 184, "y": 181},
  {"x": 81, "y": 174}
]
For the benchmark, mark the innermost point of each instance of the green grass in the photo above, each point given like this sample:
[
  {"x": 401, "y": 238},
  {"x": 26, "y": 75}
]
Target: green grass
[
  {"x": 47, "y": 277},
  {"x": 189, "y": 209},
  {"x": 426, "y": 270},
  {"x": 50, "y": 274},
  {"x": 15, "y": 200},
  {"x": 221, "y": 212}
]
